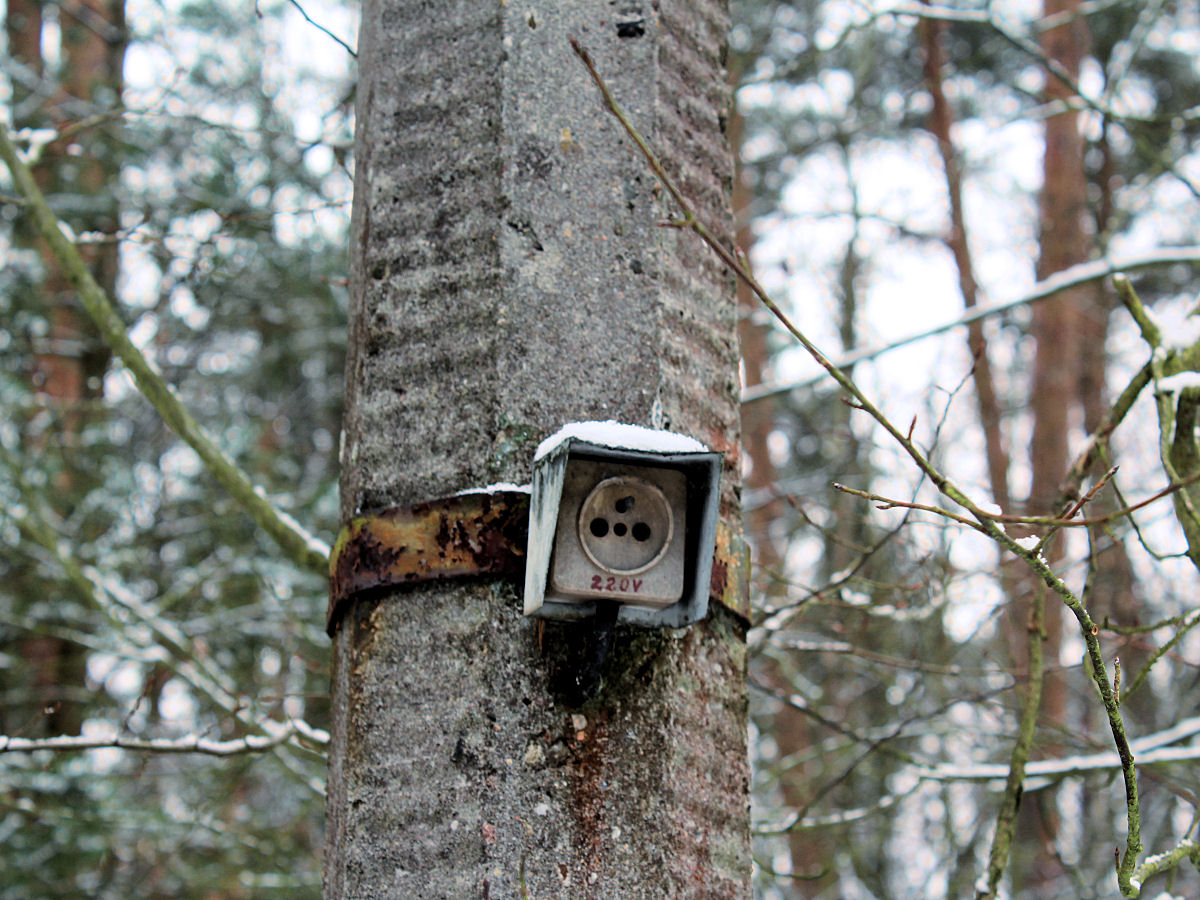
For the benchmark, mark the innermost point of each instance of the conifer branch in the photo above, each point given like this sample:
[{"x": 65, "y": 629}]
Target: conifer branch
[{"x": 300, "y": 546}]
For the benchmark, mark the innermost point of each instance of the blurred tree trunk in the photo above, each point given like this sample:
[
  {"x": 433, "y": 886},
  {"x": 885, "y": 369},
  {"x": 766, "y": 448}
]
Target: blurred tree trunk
[
  {"x": 508, "y": 276},
  {"x": 848, "y": 533},
  {"x": 792, "y": 732},
  {"x": 69, "y": 359},
  {"x": 1070, "y": 331},
  {"x": 758, "y": 417},
  {"x": 940, "y": 124},
  {"x": 1059, "y": 330}
]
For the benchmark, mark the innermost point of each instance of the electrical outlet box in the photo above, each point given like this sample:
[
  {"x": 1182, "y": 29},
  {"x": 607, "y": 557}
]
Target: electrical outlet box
[{"x": 622, "y": 513}]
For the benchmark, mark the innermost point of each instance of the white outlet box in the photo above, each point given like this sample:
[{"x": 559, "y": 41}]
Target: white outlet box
[{"x": 611, "y": 517}]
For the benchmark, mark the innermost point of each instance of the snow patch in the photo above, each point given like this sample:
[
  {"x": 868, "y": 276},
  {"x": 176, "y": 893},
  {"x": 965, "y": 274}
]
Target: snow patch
[
  {"x": 620, "y": 436},
  {"x": 855, "y": 598},
  {"x": 843, "y": 574},
  {"x": 1179, "y": 332},
  {"x": 1031, "y": 544},
  {"x": 1180, "y": 382},
  {"x": 497, "y": 488},
  {"x": 35, "y": 140},
  {"x": 93, "y": 237}
]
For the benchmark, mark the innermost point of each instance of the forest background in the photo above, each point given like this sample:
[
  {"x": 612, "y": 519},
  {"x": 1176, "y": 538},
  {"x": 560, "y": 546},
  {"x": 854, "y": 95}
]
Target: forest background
[{"x": 901, "y": 164}]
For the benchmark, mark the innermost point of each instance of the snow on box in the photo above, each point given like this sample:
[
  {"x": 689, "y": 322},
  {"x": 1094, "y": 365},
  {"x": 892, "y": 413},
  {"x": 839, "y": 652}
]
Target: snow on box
[
  {"x": 621, "y": 437},
  {"x": 498, "y": 487}
]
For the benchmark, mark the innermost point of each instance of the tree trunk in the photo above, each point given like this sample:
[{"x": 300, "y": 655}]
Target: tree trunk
[
  {"x": 1057, "y": 328},
  {"x": 940, "y": 124},
  {"x": 70, "y": 361},
  {"x": 508, "y": 276},
  {"x": 757, "y": 418}
]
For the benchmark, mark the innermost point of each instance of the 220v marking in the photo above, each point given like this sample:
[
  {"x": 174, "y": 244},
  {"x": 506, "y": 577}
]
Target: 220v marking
[{"x": 612, "y": 583}]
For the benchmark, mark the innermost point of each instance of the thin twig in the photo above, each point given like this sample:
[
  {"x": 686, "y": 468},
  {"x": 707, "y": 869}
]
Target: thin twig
[
  {"x": 888, "y": 503},
  {"x": 321, "y": 28},
  {"x": 1031, "y": 705},
  {"x": 1069, "y": 513},
  {"x": 1064, "y": 521},
  {"x": 1139, "y": 677}
]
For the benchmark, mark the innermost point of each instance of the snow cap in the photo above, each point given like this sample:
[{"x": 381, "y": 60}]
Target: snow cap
[{"x": 620, "y": 437}]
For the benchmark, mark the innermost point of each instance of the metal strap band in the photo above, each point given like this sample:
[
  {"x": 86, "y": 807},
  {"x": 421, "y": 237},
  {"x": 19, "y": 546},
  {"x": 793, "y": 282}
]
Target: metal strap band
[{"x": 471, "y": 535}]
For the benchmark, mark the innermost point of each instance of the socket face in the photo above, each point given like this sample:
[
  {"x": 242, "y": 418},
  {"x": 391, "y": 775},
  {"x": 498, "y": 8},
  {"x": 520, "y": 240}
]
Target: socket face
[
  {"x": 620, "y": 533},
  {"x": 625, "y": 525}
]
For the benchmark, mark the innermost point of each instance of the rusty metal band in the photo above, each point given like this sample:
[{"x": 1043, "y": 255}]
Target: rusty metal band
[
  {"x": 455, "y": 537},
  {"x": 468, "y": 535}
]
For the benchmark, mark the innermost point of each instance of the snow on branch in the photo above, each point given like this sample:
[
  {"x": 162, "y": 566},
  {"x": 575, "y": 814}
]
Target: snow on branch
[
  {"x": 275, "y": 734},
  {"x": 1149, "y": 750},
  {"x": 1079, "y": 274},
  {"x": 830, "y": 820}
]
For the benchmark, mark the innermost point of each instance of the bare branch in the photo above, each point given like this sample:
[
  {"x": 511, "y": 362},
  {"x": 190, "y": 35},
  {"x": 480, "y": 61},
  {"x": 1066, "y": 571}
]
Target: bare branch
[{"x": 1063, "y": 521}]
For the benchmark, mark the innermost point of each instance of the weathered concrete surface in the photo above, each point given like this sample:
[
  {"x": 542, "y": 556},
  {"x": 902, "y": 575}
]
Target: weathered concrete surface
[
  {"x": 509, "y": 277},
  {"x": 462, "y": 771}
]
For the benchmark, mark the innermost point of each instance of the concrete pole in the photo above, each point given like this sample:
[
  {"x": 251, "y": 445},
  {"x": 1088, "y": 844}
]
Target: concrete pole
[{"x": 508, "y": 277}]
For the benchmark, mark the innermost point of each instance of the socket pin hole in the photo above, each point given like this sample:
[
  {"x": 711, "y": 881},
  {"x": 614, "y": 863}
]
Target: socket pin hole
[
  {"x": 640, "y": 531},
  {"x": 624, "y": 505},
  {"x": 619, "y": 529},
  {"x": 598, "y": 527}
]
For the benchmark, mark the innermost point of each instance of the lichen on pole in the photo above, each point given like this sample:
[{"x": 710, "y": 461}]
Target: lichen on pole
[{"x": 508, "y": 276}]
